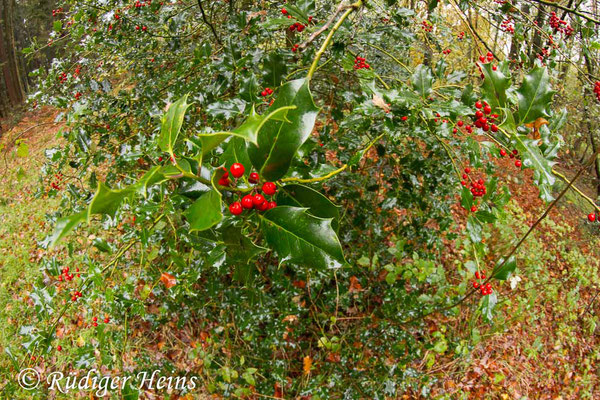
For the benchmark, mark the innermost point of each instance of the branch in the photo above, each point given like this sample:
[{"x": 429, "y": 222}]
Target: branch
[
  {"x": 567, "y": 9},
  {"x": 207, "y": 22},
  {"x": 341, "y": 7}
]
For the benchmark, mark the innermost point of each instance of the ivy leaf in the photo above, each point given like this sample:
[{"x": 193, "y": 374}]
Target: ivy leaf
[
  {"x": 535, "y": 96},
  {"x": 302, "y": 239},
  {"x": 422, "y": 80},
  {"x": 495, "y": 84},
  {"x": 278, "y": 141},
  {"x": 171, "y": 124},
  {"x": 297, "y": 195},
  {"x": 205, "y": 212},
  {"x": 248, "y": 131},
  {"x": 508, "y": 268}
]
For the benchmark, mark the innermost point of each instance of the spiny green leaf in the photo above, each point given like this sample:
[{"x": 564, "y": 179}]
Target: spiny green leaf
[
  {"x": 205, "y": 212},
  {"x": 64, "y": 226},
  {"x": 508, "y": 268},
  {"x": 297, "y": 195},
  {"x": 171, "y": 124},
  {"x": 535, "y": 96},
  {"x": 248, "y": 131},
  {"x": 302, "y": 239},
  {"x": 495, "y": 84},
  {"x": 278, "y": 141},
  {"x": 108, "y": 201},
  {"x": 422, "y": 80}
]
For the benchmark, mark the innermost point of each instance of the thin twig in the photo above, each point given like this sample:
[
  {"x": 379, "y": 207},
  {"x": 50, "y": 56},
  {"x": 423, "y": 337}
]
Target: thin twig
[{"x": 207, "y": 22}]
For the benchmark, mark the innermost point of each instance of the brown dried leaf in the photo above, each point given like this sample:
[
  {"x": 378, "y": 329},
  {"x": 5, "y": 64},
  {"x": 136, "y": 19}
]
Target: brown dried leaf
[{"x": 168, "y": 279}]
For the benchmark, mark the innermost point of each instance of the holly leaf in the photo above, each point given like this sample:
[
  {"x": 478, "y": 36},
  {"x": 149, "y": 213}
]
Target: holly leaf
[
  {"x": 278, "y": 141},
  {"x": 532, "y": 157},
  {"x": 422, "y": 80},
  {"x": 171, "y": 124},
  {"x": 495, "y": 84},
  {"x": 205, "y": 212},
  {"x": 474, "y": 229},
  {"x": 297, "y": 195},
  {"x": 248, "y": 131},
  {"x": 274, "y": 69},
  {"x": 488, "y": 303},
  {"x": 534, "y": 96},
  {"x": 240, "y": 249},
  {"x": 64, "y": 226},
  {"x": 107, "y": 201},
  {"x": 302, "y": 239},
  {"x": 508, "y": 268}
]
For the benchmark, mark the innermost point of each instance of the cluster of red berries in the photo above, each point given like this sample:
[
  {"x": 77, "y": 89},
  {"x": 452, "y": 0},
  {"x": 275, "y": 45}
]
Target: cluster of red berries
[
  {"x": 57, "y": 11},
  {"x": 78, "y": 95},
  {"x": 140, "y": 4},
  {"x": 249, "y": 201},
  {"x": 460, "y": 36},
  {"x": 543, "y": 54},
  {"x": 360, "y": 63},
  {"x": 55, "y": 184},
  {"x": 76, "y": 294},
  {"x": 266, "y": 92},
  {"x": 489, "y": 57},
  {"x": 560, "y": 25},
  {"x": 508, "y": 25},
  {"x": 477, "y": 187},
  {"x": 483, "y": 119},
  {"x": 297, "y": 26},
  {"x": 295, "y": 47},
  {"x": 597, "y": 90},
  {"x": 485, "y": 289},
  {"x": 95, "y": 321},
  {"x": 143, "y": 28},
  {"x": 66, "y": 276},
  {"x": 63, "y": 77},
  {"x": 513, "y": 154},
  {"x": 426, "y": 26},
  {"x": 446, "y": 52}
]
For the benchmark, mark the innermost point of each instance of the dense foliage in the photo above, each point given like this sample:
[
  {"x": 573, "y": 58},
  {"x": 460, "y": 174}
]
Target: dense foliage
[{"x": 374, "y": 130}]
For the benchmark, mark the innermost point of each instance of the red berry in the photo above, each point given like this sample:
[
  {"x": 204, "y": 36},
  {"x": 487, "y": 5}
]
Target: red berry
[
  {"x": 591, "y": 217},
  {"x": 253, "y": 178},
  {"x": 264, "y": 206},
  {"x": 224, "y": 181},
  {"x": 502, "y": 152},
  {"x": 258, "y": 199},
  {"x": 467, "y": 170},
  {"x": 235, "y": 208},
  {"x": 478, "y": 105},
  {"x": 487, "y": 109},
  {"x": 473, "y": 208},
  {"x": 269, "y": 188},
  {"x": 237, "y": 170},
  {"x": 59, "y": 347},
  {"x": 404, "y": 118},
  {"x": 272, "y": 204},
  {"x": 494, "y": 128},
  {"x": 518, "y": 164},
  {"x": 248, "y": 202},
  {"x": 106, "y": 320},
  {"x": 475, "y": 285},
  {"x": 95, "y": 319},
  {"x": 460, "y": 123}
]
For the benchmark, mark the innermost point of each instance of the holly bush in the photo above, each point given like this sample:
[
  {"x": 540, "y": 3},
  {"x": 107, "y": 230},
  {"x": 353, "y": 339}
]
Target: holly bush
[{"x": 286, "y": 179}]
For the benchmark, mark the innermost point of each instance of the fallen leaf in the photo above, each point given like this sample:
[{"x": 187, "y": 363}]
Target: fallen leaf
[
  {"x": 379, "y": 102},
  {"x": 168, "y": 279},
  {"x": 306, "y": 365}
]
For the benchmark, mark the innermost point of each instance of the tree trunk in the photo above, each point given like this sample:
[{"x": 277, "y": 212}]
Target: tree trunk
[
  {"x": 536, "y": 43},
  {"x": 12, "y": 92}
]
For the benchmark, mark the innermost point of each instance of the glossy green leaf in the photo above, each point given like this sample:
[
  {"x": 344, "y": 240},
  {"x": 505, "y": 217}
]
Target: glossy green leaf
[
  {"x": 488, "y": 303},
  {"x": 171, "y": 124},
  {"x": 297, "y": 195},
  {"x": 205, "y": 212},
  {"x": 535, "y": 96},
  {"x": 474, "y": 229},
  {"x": 532, "y": 157},
  {"x": 302, "y": 239},
  {"x": 274, "y": 70},
  {"x": 240, "y": 249},
  {"x": 248, "y": 131},
  {"x": 278, "y": 141},
  {"x": 107, "y": 201},
  {"x": 64, "y": 226},
  {"x": 495, "y": 84},
  {"x": 422, "y": 80},
  {"x": 508, "y": 268}
]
